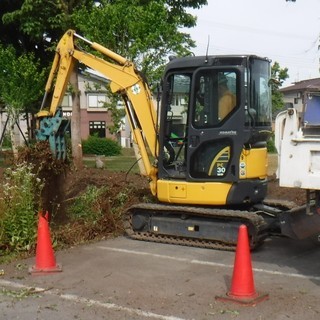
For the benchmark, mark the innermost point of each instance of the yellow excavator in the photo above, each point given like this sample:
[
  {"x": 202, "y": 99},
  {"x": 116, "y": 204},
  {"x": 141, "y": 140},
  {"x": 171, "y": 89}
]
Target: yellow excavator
[{"x": 207, "y": 141}]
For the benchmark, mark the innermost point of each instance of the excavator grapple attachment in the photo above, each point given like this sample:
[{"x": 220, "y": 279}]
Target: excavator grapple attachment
[{"x": 53, "y": 129}]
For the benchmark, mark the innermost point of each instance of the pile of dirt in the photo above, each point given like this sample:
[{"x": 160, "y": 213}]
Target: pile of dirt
[
  {"x": 120, "y": 191},
  {"x": 295, "y": 195},
  {"x": 76, "y": 181}
]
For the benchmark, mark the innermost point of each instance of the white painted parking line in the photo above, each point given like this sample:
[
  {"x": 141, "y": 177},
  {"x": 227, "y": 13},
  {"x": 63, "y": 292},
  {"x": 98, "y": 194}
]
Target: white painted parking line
[
  {"x": 210, "y": 263},
  {"x": 86, "y": 301},
  {"x": 165, "y": 257}
]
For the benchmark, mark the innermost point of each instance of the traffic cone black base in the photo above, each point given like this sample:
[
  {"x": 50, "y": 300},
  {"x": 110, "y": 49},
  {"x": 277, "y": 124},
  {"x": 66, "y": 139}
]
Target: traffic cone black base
[
  {"x": 38, "y": 271},
  {"x": 252, "y": 301}
]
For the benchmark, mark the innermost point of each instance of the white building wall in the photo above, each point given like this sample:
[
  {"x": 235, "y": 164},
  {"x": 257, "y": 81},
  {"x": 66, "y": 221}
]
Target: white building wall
[
  {"x": 18, "y": 136},
  {"x": 295, "y": 98}
]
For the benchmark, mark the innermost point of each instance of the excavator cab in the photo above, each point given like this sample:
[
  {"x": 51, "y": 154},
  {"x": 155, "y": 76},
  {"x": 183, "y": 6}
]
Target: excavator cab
[{"x": 214, "y": 127}]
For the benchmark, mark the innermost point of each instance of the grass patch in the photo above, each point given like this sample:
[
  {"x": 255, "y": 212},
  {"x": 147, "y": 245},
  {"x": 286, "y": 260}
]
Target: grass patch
[
  {"x": 121, "y": 163},
  {"x": 115, "y": 163}
]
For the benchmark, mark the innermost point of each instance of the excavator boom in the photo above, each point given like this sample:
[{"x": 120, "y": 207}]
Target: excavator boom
[{"x": 124, "y": 79}]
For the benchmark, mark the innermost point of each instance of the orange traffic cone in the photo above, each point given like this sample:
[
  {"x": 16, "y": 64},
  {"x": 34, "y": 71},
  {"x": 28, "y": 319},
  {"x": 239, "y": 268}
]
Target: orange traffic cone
[
  {"x": 45, "y": 260},
  {"x": 242, "y": 288}
]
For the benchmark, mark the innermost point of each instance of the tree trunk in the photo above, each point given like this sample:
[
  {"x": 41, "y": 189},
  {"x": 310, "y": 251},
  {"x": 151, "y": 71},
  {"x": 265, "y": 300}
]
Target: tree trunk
[
  {"x": 76, "y": 145},
  {"x": 13, "y": 137}
]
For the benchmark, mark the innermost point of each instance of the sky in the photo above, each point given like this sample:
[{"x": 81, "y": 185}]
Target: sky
[{"x": 286, "y": 32}]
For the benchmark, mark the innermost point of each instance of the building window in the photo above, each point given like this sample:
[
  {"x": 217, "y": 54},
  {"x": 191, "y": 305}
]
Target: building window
[
  {"x": 67, "y": 101},
  {"x": 296, "y": 100},
  {"x": 97, "y": 128},
  {"x": 96, "y": 100}
]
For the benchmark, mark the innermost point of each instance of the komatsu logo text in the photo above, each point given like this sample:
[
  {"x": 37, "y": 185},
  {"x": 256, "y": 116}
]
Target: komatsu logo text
[{"x": 228, "y": 133}]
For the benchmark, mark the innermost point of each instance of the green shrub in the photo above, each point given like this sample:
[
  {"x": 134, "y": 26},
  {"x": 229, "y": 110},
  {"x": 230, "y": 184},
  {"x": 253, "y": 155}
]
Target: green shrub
[
  {"x": 6, "y": 143},
  {"x": 18, "y": 218},
  {"x": 100, "y": 146},
  {"x": 271, "y": 145},
  {"x": 88, "y": 206}
]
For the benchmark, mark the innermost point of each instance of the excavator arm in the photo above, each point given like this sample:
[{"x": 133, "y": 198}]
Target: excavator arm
[{"x": 124, "y": 79}]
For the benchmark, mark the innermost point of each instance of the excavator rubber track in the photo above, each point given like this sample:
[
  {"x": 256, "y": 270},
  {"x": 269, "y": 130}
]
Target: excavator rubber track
[{"x": 142, "y": 220}]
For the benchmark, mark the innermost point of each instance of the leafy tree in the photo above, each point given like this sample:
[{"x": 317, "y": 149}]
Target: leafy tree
[
  {"x": 21, "y": 78},
  {"x": 42, "y": 23},
  {"x": 141, "y": 30},
  {"x": 278, "y": 76},
  {"x": 10, "y": 33},
  {"x": 117, "y": 112},
  {"x": 21, "y": 83},
  {"x": 145, "y": 31}
]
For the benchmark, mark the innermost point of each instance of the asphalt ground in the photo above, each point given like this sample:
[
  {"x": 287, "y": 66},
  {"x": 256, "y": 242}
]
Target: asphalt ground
[{"x": 127, "y": 279}]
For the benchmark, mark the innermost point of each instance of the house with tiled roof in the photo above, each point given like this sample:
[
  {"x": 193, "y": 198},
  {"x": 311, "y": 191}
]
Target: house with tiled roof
[{"x": 295, "y": 96}]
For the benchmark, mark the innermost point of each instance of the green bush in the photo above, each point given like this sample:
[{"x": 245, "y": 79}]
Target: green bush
[
  {"x": 271, "y": 145},
  {"x": 6, "y": 143},
  {"x": 88, "y": 206},
  {"x": 101, "y": 146},
  {"x": 18, "y": 219}
]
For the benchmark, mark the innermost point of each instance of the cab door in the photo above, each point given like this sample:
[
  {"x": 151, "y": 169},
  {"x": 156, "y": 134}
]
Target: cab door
[{"x": 216, "y": 124}]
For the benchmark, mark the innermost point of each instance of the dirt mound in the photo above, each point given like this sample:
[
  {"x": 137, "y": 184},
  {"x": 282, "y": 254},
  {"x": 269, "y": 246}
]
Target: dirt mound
[
  {"x": 120, "y": 191},
  {"x": 77, "y": 181},
  {"x": 291, "y": 194}
]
